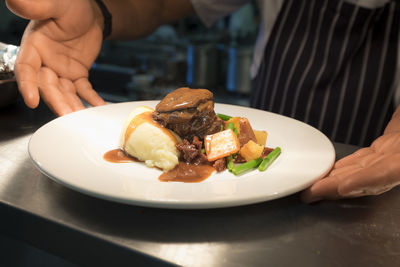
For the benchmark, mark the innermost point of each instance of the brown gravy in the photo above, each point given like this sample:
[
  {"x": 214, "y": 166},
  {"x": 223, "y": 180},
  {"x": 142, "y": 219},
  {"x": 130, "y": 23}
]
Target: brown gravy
[
  {"x": 118, "y": 156},
  {"x": 183, "y": 98},
  {"x": 186, "y": 173}
]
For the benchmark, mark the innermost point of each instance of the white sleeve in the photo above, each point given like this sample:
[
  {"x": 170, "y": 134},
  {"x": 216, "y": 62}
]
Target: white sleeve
[{"x": 210, "y": 11}]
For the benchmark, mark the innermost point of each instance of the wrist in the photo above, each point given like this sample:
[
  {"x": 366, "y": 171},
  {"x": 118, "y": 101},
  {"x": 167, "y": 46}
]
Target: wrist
[
  {"x": 394, "y": 123},
  {"x": 103, "y": 17}
]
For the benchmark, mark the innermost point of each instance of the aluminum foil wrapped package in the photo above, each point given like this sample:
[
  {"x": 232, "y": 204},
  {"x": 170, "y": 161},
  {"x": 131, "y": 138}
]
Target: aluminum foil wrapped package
[
  {"x": 8, "y": 55},
  {"x": 8, "y": 86}
]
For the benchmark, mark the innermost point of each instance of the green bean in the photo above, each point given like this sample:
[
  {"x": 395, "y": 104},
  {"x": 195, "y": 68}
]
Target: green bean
[
  {"x": 223, "y": 116},
  {"x": 229, "y": 163},
  {"x": 246, "y": 166},
  {"x": 269, "y": 159},
  {"x": 231, "y": 125}
]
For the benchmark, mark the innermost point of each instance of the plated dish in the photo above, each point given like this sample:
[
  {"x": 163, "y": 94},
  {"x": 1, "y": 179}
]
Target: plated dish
[
  {"x": 184, "y": 137},
  {"x": 70, "y": 151}
]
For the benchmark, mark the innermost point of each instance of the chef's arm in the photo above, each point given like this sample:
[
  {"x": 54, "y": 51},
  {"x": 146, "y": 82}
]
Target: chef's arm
[
  {"x": 394, "y": 124},
  {"x": 63, "y": 39},
  {"x": 132, "y": 19}
]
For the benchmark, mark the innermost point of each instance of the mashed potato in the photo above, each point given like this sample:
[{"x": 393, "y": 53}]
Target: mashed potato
[{"x": 148, "y": 141}]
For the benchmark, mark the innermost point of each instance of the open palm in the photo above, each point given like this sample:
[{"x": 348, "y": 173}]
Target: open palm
[{"x": 57, "y": 50}]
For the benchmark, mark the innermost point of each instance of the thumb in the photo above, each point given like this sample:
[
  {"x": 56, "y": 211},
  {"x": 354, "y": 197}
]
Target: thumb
[{"x": 36, "y": 10}]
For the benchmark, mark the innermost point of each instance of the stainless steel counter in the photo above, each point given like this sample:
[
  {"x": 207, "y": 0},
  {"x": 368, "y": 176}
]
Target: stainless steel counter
[{"x": 89, "y": 231}]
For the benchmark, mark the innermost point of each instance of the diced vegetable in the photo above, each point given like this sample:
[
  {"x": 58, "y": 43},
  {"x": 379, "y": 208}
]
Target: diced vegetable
[
  {"x": 269, "y": 159},
  {"x": 221, "y": 144},
  {"x": 229, "y": 163},
  {"x": 235, "y": 121},
  {"x": 246, "y": 166},
  {"x": 261, "y": 137},
  {"x": 232, "y": 127},
  {"x": 251, "y": 150},
  {"x": 223, "y": 116},
  {"x": 246, "y": 133}
]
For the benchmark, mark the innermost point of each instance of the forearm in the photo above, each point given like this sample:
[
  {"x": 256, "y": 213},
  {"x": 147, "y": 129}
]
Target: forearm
[
  {"x": 394, "y": 123},
  {"x": 132, "y": 19}
]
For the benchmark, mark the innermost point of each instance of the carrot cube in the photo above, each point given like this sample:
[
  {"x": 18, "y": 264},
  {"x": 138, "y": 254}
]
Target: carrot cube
[{"x": 221, "y": 144}]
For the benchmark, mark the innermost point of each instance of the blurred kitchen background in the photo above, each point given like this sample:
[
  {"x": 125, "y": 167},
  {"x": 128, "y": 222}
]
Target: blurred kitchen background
[{"x": 185, "y": 53}]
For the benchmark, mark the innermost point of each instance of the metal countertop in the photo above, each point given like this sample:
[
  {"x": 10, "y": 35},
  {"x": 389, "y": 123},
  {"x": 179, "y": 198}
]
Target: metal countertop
[{"x": 89, "y": 231}]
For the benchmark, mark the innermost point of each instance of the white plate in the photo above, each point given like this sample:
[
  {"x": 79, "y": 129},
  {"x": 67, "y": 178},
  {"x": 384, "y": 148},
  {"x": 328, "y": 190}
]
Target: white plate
[{"x": 70, "y": 151}]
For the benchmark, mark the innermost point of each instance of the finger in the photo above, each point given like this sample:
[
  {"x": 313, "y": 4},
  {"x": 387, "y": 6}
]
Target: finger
[
  {"x": 87, "y": 93},
  {"x": 346, "y": 170},
  {"x": 363, "y": 161},
  {"x": 36, "y": 10},
  {"x": 49, "y": 90},
  {"x": 26, "y": 67},
  {"x": 323, "y": 189},
  {"x": 353, "y": 158},
  {"x": 376, "y": 179},
  {"x": 370, "y": 159},
  {"x": 68, "y": 90},
  {"x": 27, "y": 84}
]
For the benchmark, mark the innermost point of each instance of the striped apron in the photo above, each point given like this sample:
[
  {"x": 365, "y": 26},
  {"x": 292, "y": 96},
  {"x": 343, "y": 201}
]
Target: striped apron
[{"x": 332, "y": 65}]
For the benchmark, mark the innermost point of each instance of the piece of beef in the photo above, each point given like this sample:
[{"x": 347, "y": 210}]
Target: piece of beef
[
  {"x": 246, "y": 132},
  {"x": 191, "y": 152},
  {"x": 220, "y": 164},
  {"x": 266, "y": 151},
  {"x": 188, "y": 151},
  {"x": 239, "y": 159},
  {"x": 197, "y": 143},
  {"x": 188, "y": 112}
]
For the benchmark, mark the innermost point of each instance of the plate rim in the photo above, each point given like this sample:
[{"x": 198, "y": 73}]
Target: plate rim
[{"x": 187, "y": 204}]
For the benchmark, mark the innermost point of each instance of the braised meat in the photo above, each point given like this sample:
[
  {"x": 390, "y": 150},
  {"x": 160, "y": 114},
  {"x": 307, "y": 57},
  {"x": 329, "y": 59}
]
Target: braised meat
[
  {"x": 188, "y": 112},
  {"x": 220, "y": 165},
  {"x": 246, "y": 132},
  {"x": 191, "y": 151}
]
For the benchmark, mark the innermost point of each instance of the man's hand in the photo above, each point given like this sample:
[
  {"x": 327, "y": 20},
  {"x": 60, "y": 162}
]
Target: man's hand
[
  {"x": 59, "y": 46},
  {"x": 64, "y": 38},
  {"x": 368, "y": 171}
]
